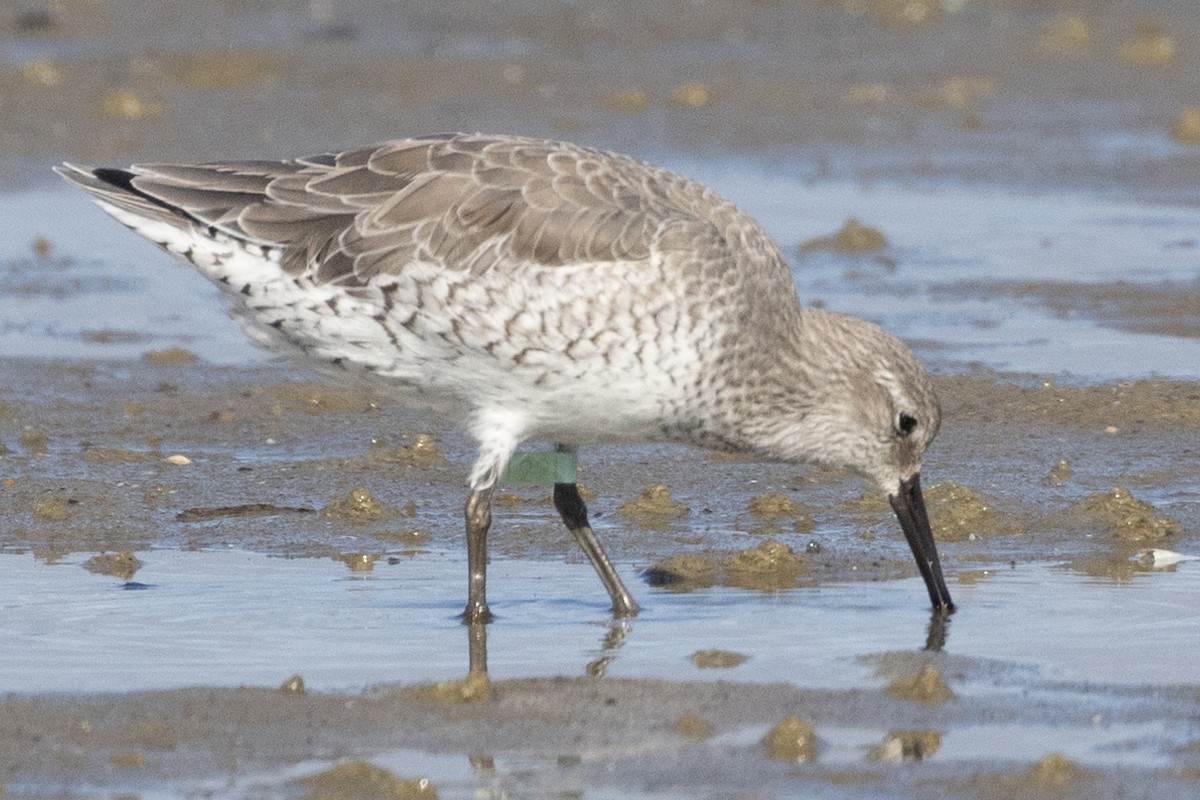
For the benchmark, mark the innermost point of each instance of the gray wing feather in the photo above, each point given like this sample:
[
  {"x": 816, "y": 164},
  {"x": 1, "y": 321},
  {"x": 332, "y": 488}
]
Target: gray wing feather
[{"x": 465, "y": 202}]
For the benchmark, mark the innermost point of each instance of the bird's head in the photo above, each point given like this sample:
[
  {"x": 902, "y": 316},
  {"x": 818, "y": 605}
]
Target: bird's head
[{"x": 861, "y": 401}]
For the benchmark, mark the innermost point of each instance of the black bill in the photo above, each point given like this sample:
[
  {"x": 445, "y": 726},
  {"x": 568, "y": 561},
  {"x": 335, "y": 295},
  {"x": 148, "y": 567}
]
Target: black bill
[{"x": 909, "y": 506}]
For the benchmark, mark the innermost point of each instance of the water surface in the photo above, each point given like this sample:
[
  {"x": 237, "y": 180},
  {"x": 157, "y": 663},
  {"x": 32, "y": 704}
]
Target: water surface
[{"x": 236, "y": 618}]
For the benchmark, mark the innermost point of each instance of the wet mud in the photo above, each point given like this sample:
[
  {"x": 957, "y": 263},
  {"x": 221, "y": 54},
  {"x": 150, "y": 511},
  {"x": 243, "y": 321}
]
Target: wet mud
[
  {"x": 186, "y": 734},
  {"x": 1167, "y": 308},
  {"x": 280, "y": 467}
]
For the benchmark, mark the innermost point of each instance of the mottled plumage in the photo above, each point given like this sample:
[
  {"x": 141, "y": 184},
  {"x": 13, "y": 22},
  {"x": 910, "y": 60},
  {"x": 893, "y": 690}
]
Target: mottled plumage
[{"x": 541, "y": 290}]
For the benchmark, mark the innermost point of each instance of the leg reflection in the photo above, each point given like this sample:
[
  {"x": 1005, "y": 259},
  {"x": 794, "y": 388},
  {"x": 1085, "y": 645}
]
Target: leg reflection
[
  {"x": 477, "y": 647},
  {"x": 476, "y": 687},
  {"x": 939, "y": 629},
  {"x": 614, "y": 637}
]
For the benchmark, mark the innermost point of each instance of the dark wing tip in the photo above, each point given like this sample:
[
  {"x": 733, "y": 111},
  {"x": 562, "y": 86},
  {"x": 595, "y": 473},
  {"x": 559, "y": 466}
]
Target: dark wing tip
[
  {"x": 120, "y": 178},
  {"x": 97, "y": 178},
  {"x": 109, "y": 185}
]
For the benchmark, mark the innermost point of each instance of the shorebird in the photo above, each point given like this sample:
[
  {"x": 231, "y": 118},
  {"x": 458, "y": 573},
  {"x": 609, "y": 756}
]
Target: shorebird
[{"x": 540, "y": 290}]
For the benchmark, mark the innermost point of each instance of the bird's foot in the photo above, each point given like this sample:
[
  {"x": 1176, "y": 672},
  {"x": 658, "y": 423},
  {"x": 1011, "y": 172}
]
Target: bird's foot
[{"x": 477, "y": 614}]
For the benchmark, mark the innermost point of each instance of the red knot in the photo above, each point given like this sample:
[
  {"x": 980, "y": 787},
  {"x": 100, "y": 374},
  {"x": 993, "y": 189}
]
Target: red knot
[{"x": 539, "y": 290}]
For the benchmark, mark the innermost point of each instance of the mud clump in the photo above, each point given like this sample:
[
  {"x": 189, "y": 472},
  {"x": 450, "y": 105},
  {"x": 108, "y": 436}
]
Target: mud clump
[
  {"x": 358, "y": 562},
  {"x": 127, "y": 104},
  {"x": 792, "y": 739},
  {"x": 1069, "y": 34},
  {"x": 423, "y": 452},
  {"x": 46, "y": 73},
  {"x": 685, "y": 572},
  {"x": 128, "y": 760},
  {"x": 866, "y": 504},
  {"x": 958, "y": 513},
  {"x": 359, "y": 506},
  {"x": 121, "y": 565},
  {"x": 654, "y": 503},
  {"x": 1054, "y": 774},
  {"x": 358, "y": 780},
  {"x": 1124, "y": 516},
  {"x": 1186, "y": 129},
  {"x": 1150, "y": 48},
  {"x": 773, "y": 507},
  {"x": 694, "y": 727},
  {"x": 854, "y": 238},
  {"x": 906, "y": 746},
  {"x": 475, "y": 688},
  {"x": 718, "y": 659},
  {"x": 293, "y": 685},
  {"x": 925, "y": 687},
  {"x": 768, "y": 566},
  {"x": 52, "y": 509},
  {"x": 692, "y": 95},
  {"x": 169, "y": 356},
  {"x": 1054, "y": 771},
  {"x": 35, "y": 442},
  {"x": 1059, "y": 474}
]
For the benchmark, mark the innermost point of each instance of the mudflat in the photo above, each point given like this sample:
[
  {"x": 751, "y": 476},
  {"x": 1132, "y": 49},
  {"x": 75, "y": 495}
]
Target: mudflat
[{"x": 784, "y": 650}]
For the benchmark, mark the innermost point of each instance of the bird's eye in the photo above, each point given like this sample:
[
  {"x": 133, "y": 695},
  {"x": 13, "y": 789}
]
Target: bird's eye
[{"x": 906, "y": 423}]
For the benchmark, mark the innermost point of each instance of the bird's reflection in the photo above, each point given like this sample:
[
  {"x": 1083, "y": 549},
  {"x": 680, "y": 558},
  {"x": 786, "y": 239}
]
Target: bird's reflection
[
  {"x": 939, "y": 629},
  {"x": 615, "y": 633},
  {"x": 476, "y": 648},
  {"x": 614, "y": 636}
]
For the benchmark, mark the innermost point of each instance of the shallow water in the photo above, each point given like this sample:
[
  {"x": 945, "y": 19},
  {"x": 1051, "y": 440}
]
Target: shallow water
[
  {"x": 1024, "y": 636},
  {"x": 236, "y": 618}
]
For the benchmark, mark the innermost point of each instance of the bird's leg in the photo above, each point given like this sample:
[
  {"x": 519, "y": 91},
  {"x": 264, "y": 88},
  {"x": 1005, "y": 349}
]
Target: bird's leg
[
  {"x": 574, "y": 513},
  {"x": 479, "y": 519}
]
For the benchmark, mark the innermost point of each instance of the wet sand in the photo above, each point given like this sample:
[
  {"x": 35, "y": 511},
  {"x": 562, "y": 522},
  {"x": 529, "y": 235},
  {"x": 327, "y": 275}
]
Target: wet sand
[
  {"x": 979, "y": 91},
  {"x": 108, "y": 458},
  {"x": 615, "y": 737},
  {"x": 125, "y": 456}
]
